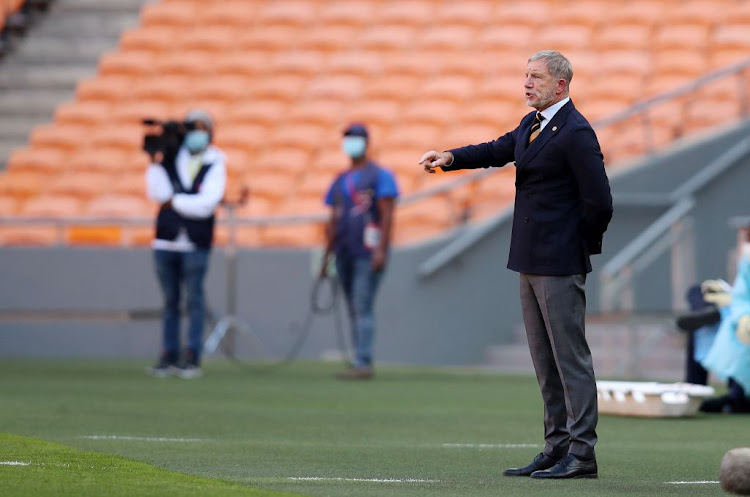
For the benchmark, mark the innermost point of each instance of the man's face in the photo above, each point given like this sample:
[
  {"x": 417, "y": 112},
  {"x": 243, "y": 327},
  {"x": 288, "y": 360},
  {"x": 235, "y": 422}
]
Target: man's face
[{"x": 541, "y": 87}]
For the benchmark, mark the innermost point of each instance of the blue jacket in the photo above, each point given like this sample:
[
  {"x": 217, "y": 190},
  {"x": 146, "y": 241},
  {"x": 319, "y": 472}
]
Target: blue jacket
[{"x": 563, "y": 201}]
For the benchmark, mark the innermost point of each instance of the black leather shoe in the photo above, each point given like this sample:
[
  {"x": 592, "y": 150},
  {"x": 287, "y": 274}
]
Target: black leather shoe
[
  {"x": 569, "y": 467},
  {"x": 541, "y": 461}
]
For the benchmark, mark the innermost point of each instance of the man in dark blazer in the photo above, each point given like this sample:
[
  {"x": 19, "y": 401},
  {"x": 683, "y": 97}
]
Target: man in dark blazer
[{"x": 562, "y": 208}]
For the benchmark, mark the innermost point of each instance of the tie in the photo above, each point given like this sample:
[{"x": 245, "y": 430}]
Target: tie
[{"x": 536, "y": 126}]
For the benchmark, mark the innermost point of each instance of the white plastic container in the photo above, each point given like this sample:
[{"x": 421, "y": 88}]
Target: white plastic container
[{"x": 650, "y": 399}]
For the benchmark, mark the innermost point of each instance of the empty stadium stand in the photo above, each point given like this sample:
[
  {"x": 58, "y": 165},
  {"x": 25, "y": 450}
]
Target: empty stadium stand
[{"x": 283, "y": 78}]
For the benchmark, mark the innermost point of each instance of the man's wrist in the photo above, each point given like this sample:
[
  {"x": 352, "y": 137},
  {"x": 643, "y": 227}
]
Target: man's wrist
[{"x": 452, "y": 158}]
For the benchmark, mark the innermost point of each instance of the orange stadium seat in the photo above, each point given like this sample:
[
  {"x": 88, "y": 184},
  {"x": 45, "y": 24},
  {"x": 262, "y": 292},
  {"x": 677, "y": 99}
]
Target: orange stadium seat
[
  {"x": 264, "y": 112},
  {"x": 84, "y": 113},
  {"x": 290, "y": 13},
  {"x": 28, "y": 235},
  {"x": 82, "y": 185},
  {"x": 229, "y": 12},
  {"x": 151, "y": 38},
  {"x": 107, "y": 160},
  {"x": 132, "y": 63},
  {"x": 133, "y": 112},
  {"x": 437, "y": 111},
  {"x": 272, "y": 186},
  {"x": 183, "y": 63},
  {"x": 586, "y": 13},
  {"x": 449, "y": 37},
  {"x": 328, "y": 163},
  {"x": 209, "y": 38},
  {"x": 699, "y": 12},
  {"x": 247, "y": 137},
  {"x": 290, "y": 160},
  {"x": 532, "y": 13},
  {"x": 53, "y": 206},
  {"x": 241, "y": 62},
  {"x": 409, "y": 13},
  {"x": 178, "y": 14},
  {"x": 305, "y": 63},
  {"x": 40, "y": 159},
  {"x": 62, "y": 136},
  {"x": 453, "y": 88},
  {"x": 565, "y": 38},
  {"x": 107, "y": 88},
  {"x": 474, "y": 14},
  {"x": 22, "y": 184},
  {"x": 375, "y": 111},
  {"x": 363, "y": 64},
  {"x": 645, "y": 12},
  {"x": 395, "y": 37},
  {"x": 292, "y": 235},
  {"x": 283, "y": 88},
  {"x": 328, "y": 38},
  {"x": 120, "y": 206},
  {"x": 635, "y": 36},
  {"x": 94, "y": 235},
  {"x": 347, "y": 13},
  {"x": 324, "y": 111},
  {"x": 512, "y": 38},
  {"x": 682, "y": 36},
  {"x": 680, "y": 62}
]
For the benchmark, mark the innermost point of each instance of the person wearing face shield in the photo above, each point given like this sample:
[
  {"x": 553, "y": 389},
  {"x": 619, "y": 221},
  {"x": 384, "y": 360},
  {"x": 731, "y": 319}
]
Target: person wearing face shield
[
  {"x": 729, "y": 354},
  {"x": 188, "y": 187},
  {"x": 362, "y": 201}
]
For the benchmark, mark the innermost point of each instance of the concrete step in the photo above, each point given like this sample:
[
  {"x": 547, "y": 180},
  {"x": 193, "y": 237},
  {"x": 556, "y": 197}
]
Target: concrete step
[
  {"x": 15, "y": 76},
  {"x": 32, "y": 103},
  {"x": 18, "y": 128},
  {"x": 56, "y": 50},
  {"x": 80, "y": 24},
  {"x": 98, "y": 5},
  {"x": 643, "y": 349},
  {"x": 7, "y": 145}
]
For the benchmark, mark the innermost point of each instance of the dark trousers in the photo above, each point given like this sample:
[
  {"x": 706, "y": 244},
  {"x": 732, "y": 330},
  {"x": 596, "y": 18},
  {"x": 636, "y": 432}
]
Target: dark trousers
[
  {"x": 175, "y": 270},
  {"x": 554, "y": 311}
]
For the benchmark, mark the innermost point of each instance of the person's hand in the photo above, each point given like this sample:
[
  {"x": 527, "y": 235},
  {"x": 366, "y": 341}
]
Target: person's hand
[
  {"x": 743, "y": 329},
  {"x": 432, "y": 160},
  {"x": 378, "y": 259},
  {"x": 715, "y": 292},
  {"x": 157, "y": 157}
]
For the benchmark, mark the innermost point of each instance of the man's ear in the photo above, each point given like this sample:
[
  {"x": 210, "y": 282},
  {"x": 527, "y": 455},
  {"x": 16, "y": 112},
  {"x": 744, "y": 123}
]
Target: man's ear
[{"x": 561, "y": 86}]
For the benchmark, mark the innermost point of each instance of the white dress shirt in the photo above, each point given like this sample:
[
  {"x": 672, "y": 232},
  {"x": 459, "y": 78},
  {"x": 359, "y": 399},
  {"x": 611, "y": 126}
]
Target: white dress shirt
[
  {"x": 550, "y": 112},
  {"x": 193, "y": 206}
]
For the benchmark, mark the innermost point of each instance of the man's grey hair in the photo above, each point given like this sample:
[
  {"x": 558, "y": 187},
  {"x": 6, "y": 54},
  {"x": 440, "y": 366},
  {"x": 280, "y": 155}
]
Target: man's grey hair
[{"x": 558, "y": 65}]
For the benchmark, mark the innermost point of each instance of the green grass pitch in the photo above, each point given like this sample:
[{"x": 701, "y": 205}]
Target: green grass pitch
[{"x": 83, "y": 428}]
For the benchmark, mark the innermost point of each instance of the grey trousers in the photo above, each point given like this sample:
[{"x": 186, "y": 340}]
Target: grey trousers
[{"x": 554, "y": 310}]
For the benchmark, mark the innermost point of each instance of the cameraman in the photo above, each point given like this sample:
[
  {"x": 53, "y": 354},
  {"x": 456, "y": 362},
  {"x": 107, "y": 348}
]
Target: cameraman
[{"x": 189, "y": 183}]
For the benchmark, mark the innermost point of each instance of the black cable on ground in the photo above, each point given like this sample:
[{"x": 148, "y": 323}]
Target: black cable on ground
[{"x": 317, "y": 308}]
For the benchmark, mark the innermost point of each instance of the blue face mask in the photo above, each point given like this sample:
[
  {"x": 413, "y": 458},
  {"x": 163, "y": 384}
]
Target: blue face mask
[
  {"x": 196, "y": 141},
  {"x": 354, "y": 146}
]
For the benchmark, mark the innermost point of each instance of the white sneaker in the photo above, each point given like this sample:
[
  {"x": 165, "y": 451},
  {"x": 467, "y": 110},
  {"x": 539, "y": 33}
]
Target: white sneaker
[{"x": 189, "y": 372}]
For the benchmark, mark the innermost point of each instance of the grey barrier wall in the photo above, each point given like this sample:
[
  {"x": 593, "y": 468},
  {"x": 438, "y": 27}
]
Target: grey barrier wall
[{"x": 450, "y": 317}]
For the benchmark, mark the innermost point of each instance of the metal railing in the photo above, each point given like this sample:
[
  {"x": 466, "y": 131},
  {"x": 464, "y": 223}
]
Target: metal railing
[{"x": 468, "y": 237}]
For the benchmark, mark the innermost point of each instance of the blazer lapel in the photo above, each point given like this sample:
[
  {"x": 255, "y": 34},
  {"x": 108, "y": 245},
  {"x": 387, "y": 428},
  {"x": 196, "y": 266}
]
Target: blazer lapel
[{"x": 552, "y": 127}]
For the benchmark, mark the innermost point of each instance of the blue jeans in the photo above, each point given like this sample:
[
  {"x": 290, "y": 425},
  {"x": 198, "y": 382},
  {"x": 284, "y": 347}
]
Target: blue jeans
[
  {"x": 360, "y": 284},
  {"x": 175, "y": 269}
]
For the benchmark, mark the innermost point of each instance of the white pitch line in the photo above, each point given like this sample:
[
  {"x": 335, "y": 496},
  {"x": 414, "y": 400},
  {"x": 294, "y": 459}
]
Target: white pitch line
[
  {"x": 699, "y": 482},
  {"x": 13, "y": 463},
  {"x": 490, "y": 446},
  {"x": 369, "y": 480},
  {"x": 142, "y": 439}
]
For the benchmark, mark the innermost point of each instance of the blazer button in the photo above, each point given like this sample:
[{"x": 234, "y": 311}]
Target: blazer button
[{"x": 526, "y": 220}]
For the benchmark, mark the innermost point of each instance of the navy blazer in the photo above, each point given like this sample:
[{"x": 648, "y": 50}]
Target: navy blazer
[{"x": 563, "y": 201}]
